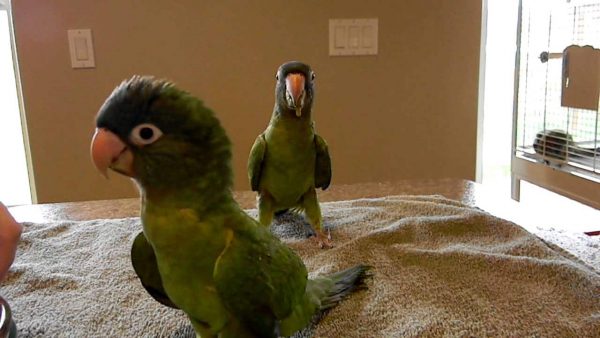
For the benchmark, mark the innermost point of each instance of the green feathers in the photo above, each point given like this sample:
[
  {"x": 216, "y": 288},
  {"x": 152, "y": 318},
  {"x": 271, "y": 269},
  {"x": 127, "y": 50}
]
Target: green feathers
[
  {"x": 144, "y": 264},
  {"x": 199, "y": 251},
  {"x": 288, "y": 161}
]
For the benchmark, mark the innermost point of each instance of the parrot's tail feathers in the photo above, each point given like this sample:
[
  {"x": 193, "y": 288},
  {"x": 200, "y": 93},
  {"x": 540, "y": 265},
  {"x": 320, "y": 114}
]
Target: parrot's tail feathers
[
  {"x": 322, "y": 293},
  {"x": 297, "y": 210},
  {"x": 344, "y": 283}
]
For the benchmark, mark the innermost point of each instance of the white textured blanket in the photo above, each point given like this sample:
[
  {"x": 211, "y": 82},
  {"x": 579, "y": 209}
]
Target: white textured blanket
[{"x": 440, "y": 269}]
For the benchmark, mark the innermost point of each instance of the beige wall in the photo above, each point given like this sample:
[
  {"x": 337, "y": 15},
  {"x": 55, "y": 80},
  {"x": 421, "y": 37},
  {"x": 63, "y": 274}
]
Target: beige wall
[{"x": 409, "y": 112}]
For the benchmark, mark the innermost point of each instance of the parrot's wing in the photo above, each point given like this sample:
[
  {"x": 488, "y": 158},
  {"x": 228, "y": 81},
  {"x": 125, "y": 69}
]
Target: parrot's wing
[
  {"x": 322, "y": 164},
  {"x": 144, "y": 264},
  {"x": 255, "y": 161},
  {"x": 259, "y": 279}
]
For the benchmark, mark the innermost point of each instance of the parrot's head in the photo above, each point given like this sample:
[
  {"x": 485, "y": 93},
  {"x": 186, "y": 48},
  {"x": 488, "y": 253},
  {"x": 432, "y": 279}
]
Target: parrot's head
[
  {"x": 162, "y": 137},
  {"x": 294, "y": 91}
]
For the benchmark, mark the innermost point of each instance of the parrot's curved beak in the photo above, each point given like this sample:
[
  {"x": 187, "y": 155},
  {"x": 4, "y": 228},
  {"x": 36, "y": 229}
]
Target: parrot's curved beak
[
  {"x": 108, "y": 151},
  {"x": 294, "y": 84}
]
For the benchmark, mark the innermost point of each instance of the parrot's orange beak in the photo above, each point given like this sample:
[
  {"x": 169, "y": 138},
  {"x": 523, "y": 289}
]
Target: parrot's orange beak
[
  {"x": 294, "y": 83},
  {"x": 108, "y": 151}
]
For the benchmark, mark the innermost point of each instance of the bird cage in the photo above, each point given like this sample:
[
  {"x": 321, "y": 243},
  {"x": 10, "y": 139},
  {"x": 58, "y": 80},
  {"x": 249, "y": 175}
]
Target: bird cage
[{"x": 557, "y": 90}]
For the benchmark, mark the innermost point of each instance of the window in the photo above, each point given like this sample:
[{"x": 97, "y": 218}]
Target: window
[{"x": 14, "y": 178}]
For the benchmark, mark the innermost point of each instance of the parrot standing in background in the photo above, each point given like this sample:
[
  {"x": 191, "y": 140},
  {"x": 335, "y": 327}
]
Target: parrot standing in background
[
  {"x": 199, "y": 251},
  {"x": 288, "y": 161}
]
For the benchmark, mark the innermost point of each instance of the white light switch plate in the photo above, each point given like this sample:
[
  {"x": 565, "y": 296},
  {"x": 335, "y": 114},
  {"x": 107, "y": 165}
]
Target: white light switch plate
[
  {"x": 353, "y": 36},
  {"x": 81, "y": 48}
]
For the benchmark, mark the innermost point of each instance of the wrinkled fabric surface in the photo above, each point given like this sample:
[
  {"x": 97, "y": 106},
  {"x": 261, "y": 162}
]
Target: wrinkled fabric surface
[{"x": 440, "y": 268}]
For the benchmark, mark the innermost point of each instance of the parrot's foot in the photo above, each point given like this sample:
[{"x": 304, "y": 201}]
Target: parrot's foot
[{"x": 324, "y": 241}]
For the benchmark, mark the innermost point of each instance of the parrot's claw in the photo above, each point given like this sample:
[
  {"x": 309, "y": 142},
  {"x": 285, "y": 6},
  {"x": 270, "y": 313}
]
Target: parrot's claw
[{"x": 324, "y": 241}]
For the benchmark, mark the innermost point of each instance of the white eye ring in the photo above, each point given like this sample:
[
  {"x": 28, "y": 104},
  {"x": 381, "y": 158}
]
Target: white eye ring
[{"x": 145, "y": 134}]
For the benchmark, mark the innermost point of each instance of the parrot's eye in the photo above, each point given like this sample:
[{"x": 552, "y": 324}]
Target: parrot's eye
[
  {"x": 312, "y": 77},
  {"x": 145, "y": 134},
  {"x": 277, "y": 76}
]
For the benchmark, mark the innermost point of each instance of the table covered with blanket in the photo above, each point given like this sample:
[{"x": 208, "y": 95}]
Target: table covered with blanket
[{"x": 442, "y": 266}]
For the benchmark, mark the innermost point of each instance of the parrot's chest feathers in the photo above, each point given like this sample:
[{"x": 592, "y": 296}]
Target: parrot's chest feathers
[
  {"x": 187, "y": 249},
  {"x": 289, "y": 163},
  {"x": 290, "y": 147},
  {"x": 178, "y": 235}
]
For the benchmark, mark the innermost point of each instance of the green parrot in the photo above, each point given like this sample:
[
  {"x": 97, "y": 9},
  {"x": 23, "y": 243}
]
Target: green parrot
[
  {"x": 199, "y": 251},
  {"x": 289, "y": 161}
]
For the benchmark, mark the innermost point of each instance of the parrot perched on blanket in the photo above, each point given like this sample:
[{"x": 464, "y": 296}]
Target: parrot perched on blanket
[
  {"x": 289, "y": 161},
  {"x": 199, "y": 250}
]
